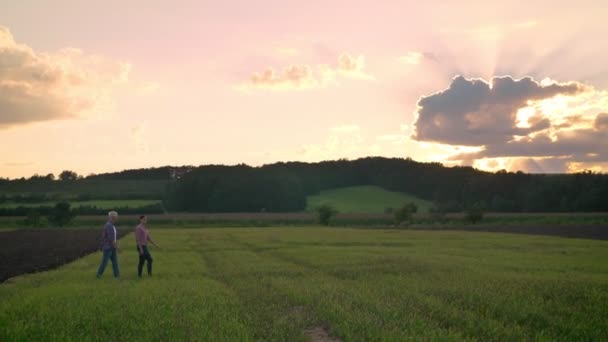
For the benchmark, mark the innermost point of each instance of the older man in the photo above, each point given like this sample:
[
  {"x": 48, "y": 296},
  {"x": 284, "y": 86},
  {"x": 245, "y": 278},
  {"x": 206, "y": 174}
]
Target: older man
[{"x": 109, "y": 245}]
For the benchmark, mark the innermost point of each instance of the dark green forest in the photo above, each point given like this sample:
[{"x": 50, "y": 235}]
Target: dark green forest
[{"x": 283, "y": 187}]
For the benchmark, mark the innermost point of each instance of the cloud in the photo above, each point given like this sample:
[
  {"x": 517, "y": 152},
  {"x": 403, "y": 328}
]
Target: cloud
[
  {"x": 415, "y": 57},
  {"x": 475, "y": 112},
  {"x": 40, "y": 86},
  {"x": 601, "y": 122},
  {"x": 525, "y": 125},
  {"x": 302, "y": 76},
  {"x": 343, "y": 142},
  {"x": 352, "y": 67},
  {"x": 292, "y": 77},
  {"x": 139, "y": 134}
]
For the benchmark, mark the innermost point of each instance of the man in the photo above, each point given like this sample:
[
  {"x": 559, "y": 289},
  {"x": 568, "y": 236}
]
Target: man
[
  {"x": 142, "y": 237},
  {"x": 109, "y": 246}
]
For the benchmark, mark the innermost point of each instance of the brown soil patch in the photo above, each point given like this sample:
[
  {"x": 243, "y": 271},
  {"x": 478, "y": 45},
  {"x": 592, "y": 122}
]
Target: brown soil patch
[
  {"x": 29, "y": 251},
  {"x": 319, "y": 334}
]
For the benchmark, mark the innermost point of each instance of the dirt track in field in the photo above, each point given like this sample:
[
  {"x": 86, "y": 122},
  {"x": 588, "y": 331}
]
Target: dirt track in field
[{"x": 28, "y": 251}]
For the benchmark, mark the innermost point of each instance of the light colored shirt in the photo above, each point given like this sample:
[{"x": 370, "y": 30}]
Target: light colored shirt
[{"x": 141, "y": 235}]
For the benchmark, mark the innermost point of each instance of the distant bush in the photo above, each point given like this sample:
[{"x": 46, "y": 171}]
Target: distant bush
[
  {"x": 84, "y": 197},
  {"x": 438, "y": 212},
  {"x": 33, "y": 218},
  {"x": 389, "y": 210},
  {"x": 324, "y": 214},
  {"x": 474, "y": 214},
  {"x": 61, "y": 215},
  {"x": 47, "y": 210},
  {"x": 404, "y": 214},
  {"x": 68, "y": 175}
]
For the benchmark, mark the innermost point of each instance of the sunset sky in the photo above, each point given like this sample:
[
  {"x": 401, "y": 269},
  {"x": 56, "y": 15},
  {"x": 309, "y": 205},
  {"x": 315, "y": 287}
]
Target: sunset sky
[{"x": 97, "y": 86}]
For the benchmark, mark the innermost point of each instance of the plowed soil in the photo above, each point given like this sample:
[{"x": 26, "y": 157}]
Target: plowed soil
[{"x": 28, "y": 251}]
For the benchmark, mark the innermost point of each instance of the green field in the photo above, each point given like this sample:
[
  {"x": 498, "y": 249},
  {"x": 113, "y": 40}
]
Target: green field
[
  {"x": 364, "y": 199},
  {"x": 355, "y": 284},
  {"x": 103, "y": 204}
]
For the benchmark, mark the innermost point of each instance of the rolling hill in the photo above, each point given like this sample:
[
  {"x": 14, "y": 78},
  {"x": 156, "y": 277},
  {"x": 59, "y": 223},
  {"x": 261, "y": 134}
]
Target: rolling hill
[{"x": 364, "y": 199}]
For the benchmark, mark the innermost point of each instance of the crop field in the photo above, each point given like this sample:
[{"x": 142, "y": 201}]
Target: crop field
[
  {"x": 305, "y": 283},
  {"x": 364, "y": 199},
  {"x": 103, "y": 204}
]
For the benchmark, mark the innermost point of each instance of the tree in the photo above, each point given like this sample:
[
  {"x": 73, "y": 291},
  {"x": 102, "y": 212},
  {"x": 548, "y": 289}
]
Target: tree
[
  {"x": 68, "y": 175},
  {"x": 325, "y": 212},
  {"x": 474, "y": 214},
  {"x": 405, "y": 213},
  {"x": 62, "y": 214},
  {"x": 33, "y": 218},
  {"x": 438, "y": 212}
]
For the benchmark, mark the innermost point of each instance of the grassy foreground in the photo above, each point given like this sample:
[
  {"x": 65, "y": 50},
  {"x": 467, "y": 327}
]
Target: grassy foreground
[
  {"x": 278, "y": 283},
  {"x": 364, "y": 199}
]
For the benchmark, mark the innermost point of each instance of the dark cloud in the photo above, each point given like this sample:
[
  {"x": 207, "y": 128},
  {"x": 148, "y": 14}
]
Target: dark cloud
[
  {"x": 484, "y": 114},
  {"x": 601, "y": 122},
  {"x": 476, "y": 113},
  {"x": 578, "y": 145}
]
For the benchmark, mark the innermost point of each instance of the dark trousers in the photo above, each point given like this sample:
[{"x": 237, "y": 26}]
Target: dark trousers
[
  {"x": 109, "y": 254},
  {"x": 143, "y": 257}
]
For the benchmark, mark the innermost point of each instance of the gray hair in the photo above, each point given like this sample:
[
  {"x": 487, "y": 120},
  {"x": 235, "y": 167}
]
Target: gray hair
[{"x": 112, "y": 214}]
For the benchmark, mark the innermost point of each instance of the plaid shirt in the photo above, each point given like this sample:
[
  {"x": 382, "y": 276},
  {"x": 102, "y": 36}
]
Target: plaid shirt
[
  {"x": 141, "y": 235},
  {"x": 109, "y": 236}
]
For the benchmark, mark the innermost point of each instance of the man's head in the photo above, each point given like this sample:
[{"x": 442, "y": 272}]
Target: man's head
[
  {"x": 143, "y": 219},
  {"x": 113, "y": 216}
]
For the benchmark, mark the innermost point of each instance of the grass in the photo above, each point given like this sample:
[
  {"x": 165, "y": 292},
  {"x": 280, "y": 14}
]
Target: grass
[
  {"x": 103, "y": 204},
  {"x": 275, "y": 283},
  {"x": 364, "y": 199}
]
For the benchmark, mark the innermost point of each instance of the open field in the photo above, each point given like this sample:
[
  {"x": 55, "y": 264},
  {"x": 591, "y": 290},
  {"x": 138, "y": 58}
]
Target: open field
[
  {"x": 103, "y": 204},
  {"x": 364, "y": 199},
  {"x": 296, "y": 283}
]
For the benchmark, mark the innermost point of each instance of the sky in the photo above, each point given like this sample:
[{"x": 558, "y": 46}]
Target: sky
[{"x": 110, "y": 85}]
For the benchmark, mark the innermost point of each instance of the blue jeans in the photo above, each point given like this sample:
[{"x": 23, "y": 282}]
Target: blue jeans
[{"x": 109, "y": 254}]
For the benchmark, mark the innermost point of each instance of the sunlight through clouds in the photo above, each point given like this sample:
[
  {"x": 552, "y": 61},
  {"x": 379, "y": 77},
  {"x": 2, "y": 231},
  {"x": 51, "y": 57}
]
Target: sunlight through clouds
[{"x": 518, "y": 124}]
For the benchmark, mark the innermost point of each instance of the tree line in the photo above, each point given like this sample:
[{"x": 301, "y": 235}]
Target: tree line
[{"x": 283, "y": 187}]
